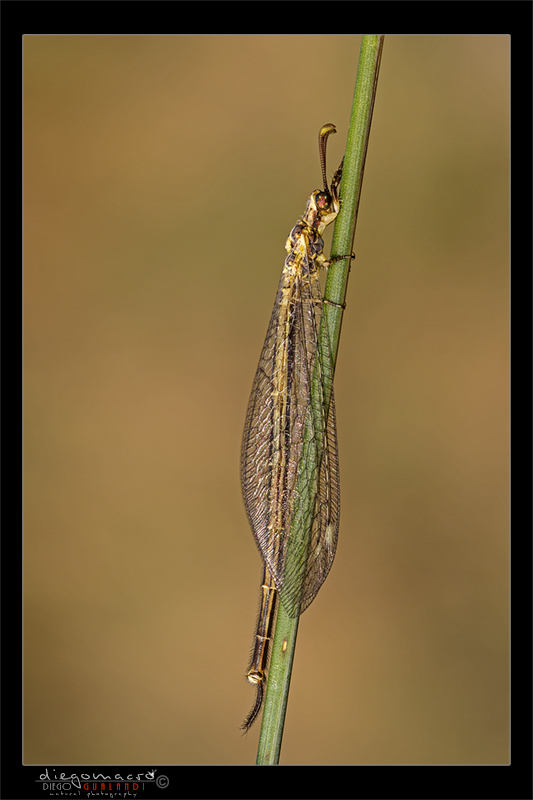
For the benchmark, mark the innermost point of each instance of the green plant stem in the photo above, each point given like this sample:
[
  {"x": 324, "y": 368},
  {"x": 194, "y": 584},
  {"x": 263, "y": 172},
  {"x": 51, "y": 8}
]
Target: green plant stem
[
  {"x": 286, "y": 627},
  {"x": 352, "y": 181}
]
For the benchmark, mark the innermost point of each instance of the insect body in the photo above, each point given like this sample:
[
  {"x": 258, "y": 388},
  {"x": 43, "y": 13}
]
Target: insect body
[{"x": 289, "y": 461}]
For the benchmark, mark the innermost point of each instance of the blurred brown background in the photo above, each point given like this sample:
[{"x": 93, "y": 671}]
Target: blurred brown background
[{"x": 162, "y": 176}]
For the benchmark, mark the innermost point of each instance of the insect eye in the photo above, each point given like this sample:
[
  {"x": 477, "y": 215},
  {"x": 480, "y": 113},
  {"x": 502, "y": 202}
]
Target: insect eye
[{"x": 323, "y": 200}]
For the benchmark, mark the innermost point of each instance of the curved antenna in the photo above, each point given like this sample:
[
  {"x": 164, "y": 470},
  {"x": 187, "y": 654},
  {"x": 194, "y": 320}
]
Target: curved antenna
[{"x": 322, "y": 139}]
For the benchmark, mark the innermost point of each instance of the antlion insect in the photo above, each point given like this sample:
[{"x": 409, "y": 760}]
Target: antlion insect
[{"x": 289, "y": 459}]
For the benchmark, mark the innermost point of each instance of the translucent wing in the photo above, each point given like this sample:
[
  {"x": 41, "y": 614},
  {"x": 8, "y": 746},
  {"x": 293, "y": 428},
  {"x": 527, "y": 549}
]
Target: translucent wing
[{"x": 289, "y": 460}]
